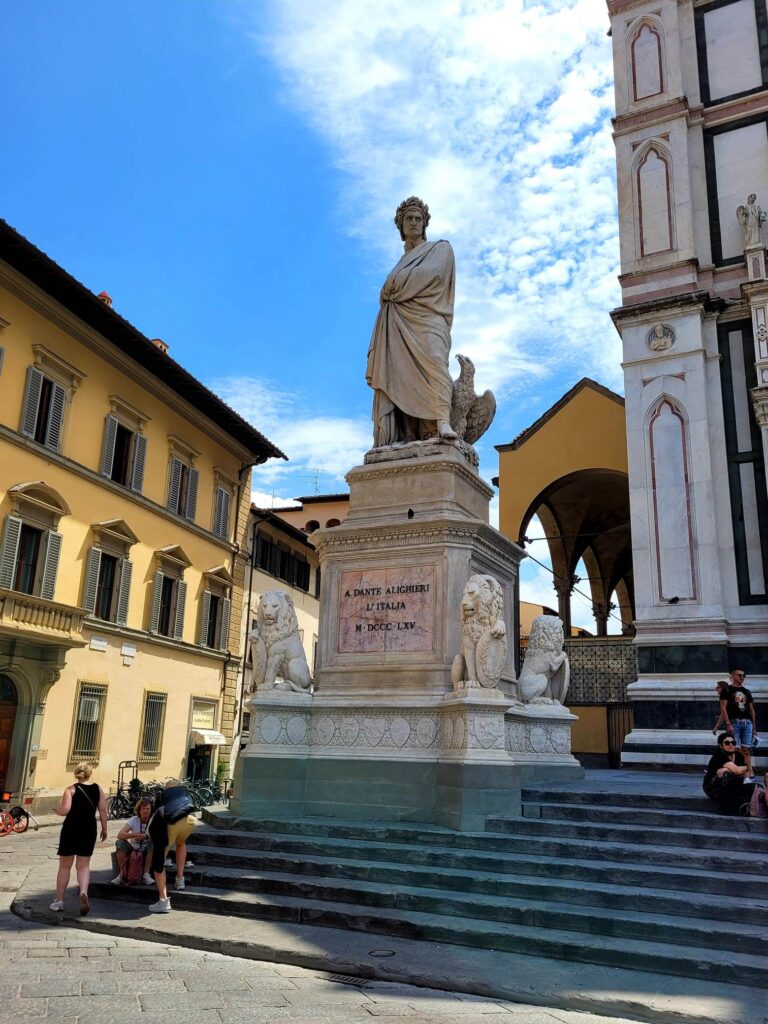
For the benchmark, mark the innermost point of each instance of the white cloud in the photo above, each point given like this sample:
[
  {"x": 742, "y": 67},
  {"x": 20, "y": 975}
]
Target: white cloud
[
  {"x": 496, "y": 112},
  {"x": 321, "y": 449}
]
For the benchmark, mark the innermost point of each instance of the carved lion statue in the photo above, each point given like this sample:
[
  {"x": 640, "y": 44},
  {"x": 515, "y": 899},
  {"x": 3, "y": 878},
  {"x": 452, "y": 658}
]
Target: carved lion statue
[
  {"x": 483, "y": 634},
  {"x": 276, "y": 649},
  {"x": 546, "y": 671}
]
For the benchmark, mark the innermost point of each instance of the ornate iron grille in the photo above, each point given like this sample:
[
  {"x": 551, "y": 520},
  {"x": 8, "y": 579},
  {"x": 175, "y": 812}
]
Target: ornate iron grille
[
  {"x": 90, "y": 713},
  {"x": 601, "y": 669}
]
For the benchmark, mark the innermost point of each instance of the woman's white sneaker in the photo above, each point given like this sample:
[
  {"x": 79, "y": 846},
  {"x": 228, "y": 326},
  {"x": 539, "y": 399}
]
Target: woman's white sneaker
[
  {"x": 161, "y": 907},
  {"x": 180, "y": 883},
  {"x": 57, "y": 905},
  {"x": 148, "y": 879}
]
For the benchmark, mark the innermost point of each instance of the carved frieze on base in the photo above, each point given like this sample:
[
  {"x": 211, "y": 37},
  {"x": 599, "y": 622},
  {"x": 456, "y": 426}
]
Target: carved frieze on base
[{"x": 476, "y": 726}]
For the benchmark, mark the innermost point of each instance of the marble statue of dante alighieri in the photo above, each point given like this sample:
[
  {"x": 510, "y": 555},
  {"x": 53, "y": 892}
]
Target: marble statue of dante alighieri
[{"x": 411, "y": 342}]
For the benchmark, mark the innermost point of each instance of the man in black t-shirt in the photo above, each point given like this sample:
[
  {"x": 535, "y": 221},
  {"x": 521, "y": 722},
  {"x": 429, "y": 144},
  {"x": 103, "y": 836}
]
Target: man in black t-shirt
[{"x": 738, "y": 713}]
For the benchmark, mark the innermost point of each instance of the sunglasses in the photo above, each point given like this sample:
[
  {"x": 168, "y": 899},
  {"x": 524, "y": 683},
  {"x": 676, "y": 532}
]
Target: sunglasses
[{"x": 729, "y": 743}]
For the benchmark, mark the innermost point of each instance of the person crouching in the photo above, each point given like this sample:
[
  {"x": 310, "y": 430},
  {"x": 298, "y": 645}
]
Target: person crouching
[{"x": 133, "y": 837}]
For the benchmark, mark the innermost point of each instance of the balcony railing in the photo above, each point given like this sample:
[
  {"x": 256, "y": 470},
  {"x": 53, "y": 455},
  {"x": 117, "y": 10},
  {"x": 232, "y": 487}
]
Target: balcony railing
[{"x": 36, "y": 616}]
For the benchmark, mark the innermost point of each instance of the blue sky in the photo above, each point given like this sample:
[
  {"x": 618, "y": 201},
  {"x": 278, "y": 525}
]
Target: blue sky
[{"x": 228, "y": 171}]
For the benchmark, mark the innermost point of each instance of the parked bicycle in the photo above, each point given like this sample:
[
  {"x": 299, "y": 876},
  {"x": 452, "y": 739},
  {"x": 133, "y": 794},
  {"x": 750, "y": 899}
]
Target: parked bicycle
[{"x": 16, "y": 818}]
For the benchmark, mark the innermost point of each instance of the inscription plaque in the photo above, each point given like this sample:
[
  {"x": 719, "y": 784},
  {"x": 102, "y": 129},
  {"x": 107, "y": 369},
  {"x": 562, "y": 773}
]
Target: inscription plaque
[{"x": 387, "y": 610}]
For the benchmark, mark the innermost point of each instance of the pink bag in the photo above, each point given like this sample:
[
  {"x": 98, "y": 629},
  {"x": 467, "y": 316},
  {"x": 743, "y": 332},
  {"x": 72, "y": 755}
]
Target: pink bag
[
  {"x": 758, "y": 806},
  {"x": 133, "y": 868}
]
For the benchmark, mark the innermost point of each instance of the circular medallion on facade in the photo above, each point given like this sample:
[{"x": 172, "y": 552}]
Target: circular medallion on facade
[
  {"x": 349, "y": 729},
  {"x": 399, "y": 730},
  {"x": 426, "y": 730},
  {"x": 324, "y": 730},
  {"x": 270, "y": 728},
  {"x": 373, "y": 730},
  {"x": 537, "y": 739},
  {"x": 661, "y": 337},
  {"x": 296, "y": 729},
  {"x": 491, "y": 658},
  {"x": 559, "y": 740}
]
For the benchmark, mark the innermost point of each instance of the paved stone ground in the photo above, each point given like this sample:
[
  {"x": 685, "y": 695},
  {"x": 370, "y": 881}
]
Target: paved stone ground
[{"x": 73, "y": 976}]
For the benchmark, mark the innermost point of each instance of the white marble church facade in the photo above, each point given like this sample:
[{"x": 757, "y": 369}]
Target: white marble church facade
[{"x": 691, "y": 135}]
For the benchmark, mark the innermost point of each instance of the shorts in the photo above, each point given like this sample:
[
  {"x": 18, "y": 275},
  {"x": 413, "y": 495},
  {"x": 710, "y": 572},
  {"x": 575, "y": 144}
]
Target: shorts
[
  {"x": 125, "y": 847},
  {"x": 166, "y": 835},
  {"x": 742, "y": 731}
]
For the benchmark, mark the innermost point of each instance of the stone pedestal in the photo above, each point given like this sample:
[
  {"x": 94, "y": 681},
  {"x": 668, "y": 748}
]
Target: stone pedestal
[{"x": 384, "y": 736}]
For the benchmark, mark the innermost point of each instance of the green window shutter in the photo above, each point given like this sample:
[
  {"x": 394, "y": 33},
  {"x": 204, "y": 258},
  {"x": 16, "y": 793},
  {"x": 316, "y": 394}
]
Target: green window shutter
[
  {"x": 52, "y": 553},
  {"x": 205, "y": 612},
  {"x": 55, "y": 418},
  {"x": 31, "y": 403},
  {"x": 139, "y": 461},
  {"x": 108, "y": 449},
  {"x": 181, "y": 600},
  {"x": 157, "y": 593},
  {"x": 174, "y": 481},
  {"x": 192, "y": 480},
  {"x": 9, "y": 551},
  {"x": 225, "y": 608},
  {"x": 124, "y": 591},
  {"x": 92, "y": 579}
]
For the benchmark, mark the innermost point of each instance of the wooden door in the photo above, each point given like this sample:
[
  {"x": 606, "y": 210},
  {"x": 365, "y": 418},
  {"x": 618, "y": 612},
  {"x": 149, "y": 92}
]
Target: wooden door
[{"x": 7, "y": 716}]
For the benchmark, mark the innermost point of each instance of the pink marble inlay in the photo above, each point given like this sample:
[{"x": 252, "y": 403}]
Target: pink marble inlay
[{"x": 385, "y": 610}]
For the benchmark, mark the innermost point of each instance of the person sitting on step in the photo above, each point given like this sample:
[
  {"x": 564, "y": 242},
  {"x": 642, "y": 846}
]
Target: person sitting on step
[
  {"x": 725, "y": 775},
  {"x": 134, "y": 836}
]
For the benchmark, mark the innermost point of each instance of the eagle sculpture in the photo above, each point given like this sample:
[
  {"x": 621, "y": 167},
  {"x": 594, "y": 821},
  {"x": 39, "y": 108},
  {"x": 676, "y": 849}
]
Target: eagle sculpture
[{"x": 470, "y": 415}]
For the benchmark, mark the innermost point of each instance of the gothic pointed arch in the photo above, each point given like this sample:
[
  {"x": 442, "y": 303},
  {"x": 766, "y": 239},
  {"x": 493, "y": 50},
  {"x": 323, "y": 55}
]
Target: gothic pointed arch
[
  {"x": 654, "y": 199},
  {"x": 645, "y": 58}
]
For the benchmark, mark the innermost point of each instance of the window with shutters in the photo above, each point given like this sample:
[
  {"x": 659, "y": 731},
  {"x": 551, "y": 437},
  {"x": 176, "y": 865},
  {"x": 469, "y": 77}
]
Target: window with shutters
[
  {"x": 51, "y": 382},
  {"x": 169, "y": 593},
  {"x": 124, "y": 451},
  {"x": 108, "y": 571},
  {"x": 152, "y": 726},
  {"x": 222, "y": 503},
  {"x": 31, "y": 543},
  {"x": 90, "y": 703},
  {"x": 182, "y": 479},
  {"x": 215, "y": 608}
]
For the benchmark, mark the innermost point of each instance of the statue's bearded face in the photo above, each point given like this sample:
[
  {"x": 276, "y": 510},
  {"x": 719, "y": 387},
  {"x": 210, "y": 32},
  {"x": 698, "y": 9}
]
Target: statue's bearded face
[{"x": 413, "y": 224}]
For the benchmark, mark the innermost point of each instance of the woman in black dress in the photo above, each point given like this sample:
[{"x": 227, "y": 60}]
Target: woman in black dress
[{"x": 80, "y": 803}]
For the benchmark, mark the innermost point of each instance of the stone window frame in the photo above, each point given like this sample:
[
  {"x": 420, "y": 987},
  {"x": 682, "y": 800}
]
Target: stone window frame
[
  {"x": 181, "y": 458},
  {"x": 172, "y": 562},
  {"x": 93, "y": 758},
  {"x": 224, "y": 491},
  {"x": 64, "y": 379},
  {"x": 633, "y": 32},
  {"x": 218, "y": 583},
  {"x": 41, "y": 507},
  {"x": 126, "y": 415},
  {"x": 664, "y": 154},
  {"x": 114, "y": 538},
  {"x": 141, "y": 756}
]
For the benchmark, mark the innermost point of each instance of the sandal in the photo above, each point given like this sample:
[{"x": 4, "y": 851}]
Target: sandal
[{"x": 84, "y": 905}]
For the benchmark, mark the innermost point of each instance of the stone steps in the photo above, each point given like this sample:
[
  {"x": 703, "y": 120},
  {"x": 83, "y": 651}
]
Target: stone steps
[
  {"x": 536, "y": 908},
  {"x": 621, "y": 797},
  {"x": 476, "y": 872},
  {"x": 657, "y": 818},
  {"x": 712, "y": 964}
]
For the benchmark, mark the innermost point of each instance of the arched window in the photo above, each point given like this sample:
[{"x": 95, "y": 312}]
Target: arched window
[
  {"x": 332, "y": 522},
  {"x": 672, "y": 512},
  {"x": 646, "y": 60},
  {"x": 653, "y": 187},
  {"x": 311, "y": 526}
]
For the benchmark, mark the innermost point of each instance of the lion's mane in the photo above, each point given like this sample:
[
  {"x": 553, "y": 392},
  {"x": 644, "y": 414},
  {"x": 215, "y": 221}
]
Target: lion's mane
[
  {"x": 546, "y": 634},
  {"x": 491, "y": 607},
  {"x": 286, "y": 624}
]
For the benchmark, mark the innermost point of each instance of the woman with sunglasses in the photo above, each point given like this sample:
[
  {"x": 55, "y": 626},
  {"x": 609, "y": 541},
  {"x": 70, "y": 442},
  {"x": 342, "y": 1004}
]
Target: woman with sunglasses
[{"x": 724, "y": 777}]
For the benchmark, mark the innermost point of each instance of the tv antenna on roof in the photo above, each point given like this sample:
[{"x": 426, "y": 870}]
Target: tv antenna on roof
[{"x": 314, "y": 475}]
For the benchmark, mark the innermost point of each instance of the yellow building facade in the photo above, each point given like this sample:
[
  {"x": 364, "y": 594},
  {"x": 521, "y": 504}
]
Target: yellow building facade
[{"x": 124, "y": 500}]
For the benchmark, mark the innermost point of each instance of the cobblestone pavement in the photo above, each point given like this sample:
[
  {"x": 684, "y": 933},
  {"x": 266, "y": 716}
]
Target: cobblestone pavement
[{"x": 73, "y": 976}]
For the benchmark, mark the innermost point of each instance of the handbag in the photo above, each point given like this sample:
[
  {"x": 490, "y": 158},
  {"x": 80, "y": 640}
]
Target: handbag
[{"x": 132, "y": 871}]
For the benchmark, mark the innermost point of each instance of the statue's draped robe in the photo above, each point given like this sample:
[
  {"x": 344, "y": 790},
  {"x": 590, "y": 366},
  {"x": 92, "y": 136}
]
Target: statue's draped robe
[{"x": 411, "y": 342}]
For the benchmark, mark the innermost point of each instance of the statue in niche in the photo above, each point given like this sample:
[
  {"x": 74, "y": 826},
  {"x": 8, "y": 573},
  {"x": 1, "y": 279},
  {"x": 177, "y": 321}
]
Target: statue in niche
[
  {"x": 411, "y": 341},
  {"x": 277, "y": 654},
  {"x": 751, "y": 217},
  {"x": 483, "y": 635},
  {"x": 546, "y": 670}
]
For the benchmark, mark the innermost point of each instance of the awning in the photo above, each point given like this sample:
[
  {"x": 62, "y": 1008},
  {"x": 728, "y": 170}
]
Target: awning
[{"x": 206, "y": 738}]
